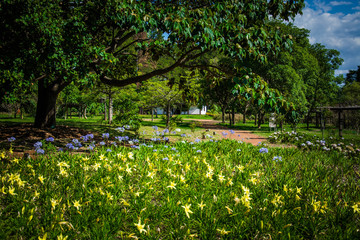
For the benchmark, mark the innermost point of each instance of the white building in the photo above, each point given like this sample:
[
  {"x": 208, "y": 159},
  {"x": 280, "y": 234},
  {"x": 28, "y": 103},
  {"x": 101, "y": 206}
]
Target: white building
[{"x": 192, "y": 111}]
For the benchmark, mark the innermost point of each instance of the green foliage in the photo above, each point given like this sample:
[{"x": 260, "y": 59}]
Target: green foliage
[
  {"x": 209, "y": 189},
  {"x": 87, "y": 41},
  {"x": 128, "y": 113},
  {"x": 194, "y": 124}
]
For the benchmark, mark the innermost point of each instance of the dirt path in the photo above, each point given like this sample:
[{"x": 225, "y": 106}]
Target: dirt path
[{"x": 243, "y": 135}]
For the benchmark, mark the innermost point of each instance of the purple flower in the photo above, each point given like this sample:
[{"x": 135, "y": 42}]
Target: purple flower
[
  {"x": 119, "y": 138},
  {"x": 198, "y": 151},
  {"x": 102, "y": 143},
  {"x": 135, "y": 146},
  {"x": 183, "y": 135},
  {"x": 155, "y": 150},
  {"x": 38, "y": 145},
  {"x": 70, "y": 146},
  {"x": 40, "y": 151},
  {"x": 174, "y": 149},
  {"x": 121, "y": 129},
  {"x": 231, "y": 131},
  {"x": 105, "y": 135},
  {"x": 165, "y": 158},
  {"x": 197, "y": 140},
  {"x": 127, "y": 127},
  {"x": 108, "y": 150},
  {"x": 76, "y": 143},
  {"x": 224, "y": 134},
  {"x": 263, "y": 150},
  {"x": 166, "y": 130},
  {"x": 50, "y": 139},
  {"x": 11, "y": 139},
  {"x": 277, "y": 158},
  {"x": 155, "y": 128}
]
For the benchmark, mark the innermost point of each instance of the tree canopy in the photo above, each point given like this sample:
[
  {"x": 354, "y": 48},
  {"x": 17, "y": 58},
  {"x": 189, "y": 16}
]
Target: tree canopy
[{"x": 54, "y": 43}]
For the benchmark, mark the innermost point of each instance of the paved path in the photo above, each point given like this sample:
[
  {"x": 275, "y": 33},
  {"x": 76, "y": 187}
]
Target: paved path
[{"x": 243, "y": 135}]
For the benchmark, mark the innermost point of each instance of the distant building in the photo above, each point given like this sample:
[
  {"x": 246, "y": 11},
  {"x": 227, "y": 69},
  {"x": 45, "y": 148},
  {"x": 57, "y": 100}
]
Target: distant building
[{"x": 192, "y": 111}]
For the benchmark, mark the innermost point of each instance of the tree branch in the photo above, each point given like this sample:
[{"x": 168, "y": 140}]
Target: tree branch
[{"x": 120, "y": 83}]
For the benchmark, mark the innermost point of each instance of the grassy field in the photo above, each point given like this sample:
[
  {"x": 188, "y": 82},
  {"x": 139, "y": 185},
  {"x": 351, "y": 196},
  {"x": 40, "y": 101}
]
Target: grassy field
[
  {"x": 185, "y": 190},
  {"x": 124, "y": 187}
]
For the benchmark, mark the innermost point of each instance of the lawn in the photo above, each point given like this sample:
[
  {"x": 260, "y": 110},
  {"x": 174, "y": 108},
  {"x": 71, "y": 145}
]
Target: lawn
[
  {"x": 154, "y": 190},
  {"x": 122, "y": 187}
]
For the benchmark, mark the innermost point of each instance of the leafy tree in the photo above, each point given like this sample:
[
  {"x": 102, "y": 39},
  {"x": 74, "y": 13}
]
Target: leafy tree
[
  {"x": 158, "y": 93},
  {"x": 353, "y": 76},
  {"x": 54, "y": 43}
]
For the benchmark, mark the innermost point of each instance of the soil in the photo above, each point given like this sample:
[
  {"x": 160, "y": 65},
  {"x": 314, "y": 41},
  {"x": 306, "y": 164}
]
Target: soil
[
  {"x": 26, "y": 135},
  {"x": 242, "y": 135}
]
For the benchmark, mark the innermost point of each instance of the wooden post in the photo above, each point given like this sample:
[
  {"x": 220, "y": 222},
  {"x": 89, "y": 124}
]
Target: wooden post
[{"x": 340, "y": 124}]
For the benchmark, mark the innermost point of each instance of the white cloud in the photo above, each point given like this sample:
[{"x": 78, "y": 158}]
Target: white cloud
[
  {"x": 320, "y": 5},
  {"x": 336, "y": 31},
  {"x": 338, "y": 3}
]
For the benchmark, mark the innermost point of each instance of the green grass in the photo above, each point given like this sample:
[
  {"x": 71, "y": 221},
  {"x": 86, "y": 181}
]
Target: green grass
[{"x": 206, "y": 190}]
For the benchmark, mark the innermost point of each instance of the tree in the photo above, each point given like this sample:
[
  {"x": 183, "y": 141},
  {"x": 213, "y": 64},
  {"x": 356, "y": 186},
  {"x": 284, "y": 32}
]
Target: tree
[
  {"x": 158, "y": 93},
  {"x": 353, "y": 76},
  {"x": 54, "y": 43}
]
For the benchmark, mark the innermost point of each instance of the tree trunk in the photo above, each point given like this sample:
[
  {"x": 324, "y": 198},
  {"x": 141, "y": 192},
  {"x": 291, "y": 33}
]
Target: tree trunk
[
  {"x": 168, "y": 116},
  {"x": 223, "y": 115},
  {"x": 259, "y": 120},
  {"x": 110, "y": 108},
  {"x": 255, "y": 119},
  {"x": 105, "y": 110},
  {"x": 230, "y": 120},
  {"x": 152, "y": 114},
  {"x": 46, "y": 103},
  {"x": 233, "y": 115},
  {"x": 84, "y": 112}
]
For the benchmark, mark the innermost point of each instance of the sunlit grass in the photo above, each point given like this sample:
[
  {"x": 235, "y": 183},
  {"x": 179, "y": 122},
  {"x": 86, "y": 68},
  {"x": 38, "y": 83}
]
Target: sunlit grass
[{"x": 156, "y": 190}]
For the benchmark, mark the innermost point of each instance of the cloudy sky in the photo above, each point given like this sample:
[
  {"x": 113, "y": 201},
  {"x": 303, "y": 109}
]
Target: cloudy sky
[{"x": 336, "y": 25}]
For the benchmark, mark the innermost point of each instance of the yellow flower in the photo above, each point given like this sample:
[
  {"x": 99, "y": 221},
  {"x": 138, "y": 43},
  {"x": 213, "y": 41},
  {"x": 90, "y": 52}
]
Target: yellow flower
[
  {"x": 187, "y": 209},
  {"x": 44, "y": 237},
  {"x": 60, "y": 237},
  {"x": 240, "y": 168},
  {"x": 182, "y": 179},
  {"x": 54, "y": 202},
  {"x": 223, "y": 231},
  {"x": 230, "y": 182},
  {"x": 356, "y": 208},
  {"x": 140, "y": 227},
  {"x": 63, "y": 172},
  {"x": 237, "y": 200},
  {"x": 77, "y": 204},
  {"x": 201, "y": 205},
  {"x": 172, "y": 185},
  {"x": 221, "y": 178},
  {"x": 41, "y": 179},
  {"x": 130, "y": 155},
  {"x": 229, "y": 209},
  {"x": 36, "y": 194},
  {"x": 298, "y": 190},
  {"x": 151, "y": 174},
  {"x": 12, "y": 191}
]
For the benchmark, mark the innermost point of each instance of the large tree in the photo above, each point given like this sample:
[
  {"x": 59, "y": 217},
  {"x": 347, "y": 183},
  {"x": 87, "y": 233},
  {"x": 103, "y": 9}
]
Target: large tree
[{"x": 54, "y": 43}]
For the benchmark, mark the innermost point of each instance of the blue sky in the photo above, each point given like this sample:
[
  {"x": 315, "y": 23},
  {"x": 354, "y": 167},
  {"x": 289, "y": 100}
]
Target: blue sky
[{"x": 336, "y": 25}]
